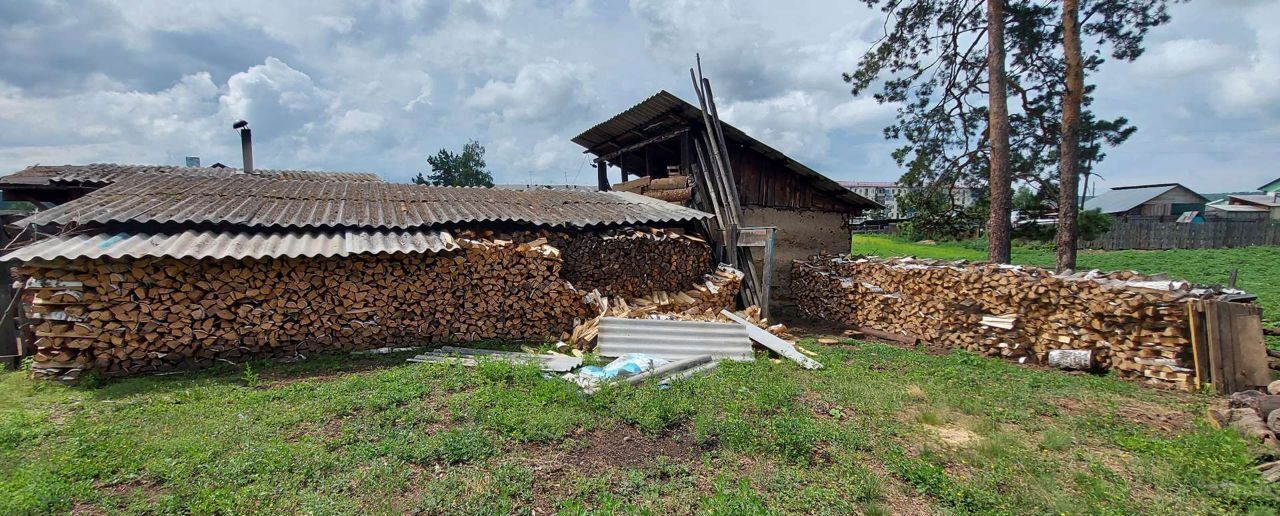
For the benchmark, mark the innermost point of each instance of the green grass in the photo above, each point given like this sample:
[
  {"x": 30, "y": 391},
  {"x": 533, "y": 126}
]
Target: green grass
[
  {"x": 880, "y": 430},
  {"x": 1257, "y": 274}
]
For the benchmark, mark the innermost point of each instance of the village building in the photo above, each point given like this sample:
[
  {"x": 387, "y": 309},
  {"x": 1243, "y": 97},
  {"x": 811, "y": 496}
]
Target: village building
[
  {"x": 653, "y": 141},
  {"x": 889, "y": 194},
  {"x": 1155, "y": 200},
  {"x": 1249, "y": 206}
]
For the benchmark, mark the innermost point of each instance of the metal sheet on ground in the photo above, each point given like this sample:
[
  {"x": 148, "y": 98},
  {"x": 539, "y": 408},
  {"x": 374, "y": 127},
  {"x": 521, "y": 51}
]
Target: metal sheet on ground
[
  {"x": 470, "y": 356},
  {"x": 774, "y": 343},
  {"x": 673, "y": 340}
]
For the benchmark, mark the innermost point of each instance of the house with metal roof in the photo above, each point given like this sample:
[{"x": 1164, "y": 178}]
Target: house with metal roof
[
  {"x": 1155, "y": 200},
  {"x": 655, "y": 139},
  {"x": 1272, "y": 187},
  {"x": 1256, "y": 206}
]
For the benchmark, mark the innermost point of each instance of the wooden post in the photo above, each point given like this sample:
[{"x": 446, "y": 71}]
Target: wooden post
[
  {"x": 602, "y": 175},
  {"x": 684, "y": 155}
]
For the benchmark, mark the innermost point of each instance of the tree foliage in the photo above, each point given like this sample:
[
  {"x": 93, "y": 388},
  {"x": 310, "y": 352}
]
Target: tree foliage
[
  {"x": 930, "y": 61},
  {"x": 465, "y": 169}
]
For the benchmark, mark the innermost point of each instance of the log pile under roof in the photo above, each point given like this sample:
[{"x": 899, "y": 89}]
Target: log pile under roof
[{"x": 133, "y": 315}]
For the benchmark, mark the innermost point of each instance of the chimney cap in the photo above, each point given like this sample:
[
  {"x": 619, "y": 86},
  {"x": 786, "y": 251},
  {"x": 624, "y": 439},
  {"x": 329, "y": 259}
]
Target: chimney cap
[{"x": 240, "y": 124}]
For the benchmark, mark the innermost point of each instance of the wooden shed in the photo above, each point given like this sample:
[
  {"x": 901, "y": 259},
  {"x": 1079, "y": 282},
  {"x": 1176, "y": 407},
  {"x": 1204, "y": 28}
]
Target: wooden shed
[
  {"x": 1158, "y": 200},
  {"x": 653, "y": 140}
]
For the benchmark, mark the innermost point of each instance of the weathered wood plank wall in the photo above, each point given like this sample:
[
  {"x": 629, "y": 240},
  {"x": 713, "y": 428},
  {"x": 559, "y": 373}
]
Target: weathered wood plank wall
[{"x": 1141, "y": 234}]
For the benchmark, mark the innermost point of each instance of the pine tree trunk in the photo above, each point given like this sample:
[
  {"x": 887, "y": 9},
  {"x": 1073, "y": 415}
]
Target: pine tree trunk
[
  {"x": 1069, "y": 153},
  {"x": 999, "y": 228}
]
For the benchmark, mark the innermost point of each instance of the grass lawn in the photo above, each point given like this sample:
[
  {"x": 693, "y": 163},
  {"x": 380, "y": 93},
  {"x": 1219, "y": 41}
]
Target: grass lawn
[
  {"x": 880, "y": 430},
  {"x": 1259, "y": 267}
]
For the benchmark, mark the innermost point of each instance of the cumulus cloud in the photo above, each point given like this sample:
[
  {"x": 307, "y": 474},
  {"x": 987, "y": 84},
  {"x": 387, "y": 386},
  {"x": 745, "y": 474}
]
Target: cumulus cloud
[
  {"x": 1181, "y": 57},
  {"x": 546, "y": 91},
  {"x": 378, "y": 86},
  {"x": 357, "y": 121},
  {"x": 1255, "y": 84},
  {"x": 275, "y": 98}
]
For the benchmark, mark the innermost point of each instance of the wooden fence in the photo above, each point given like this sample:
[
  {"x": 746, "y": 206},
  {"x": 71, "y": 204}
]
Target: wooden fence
[{"x": 1212, "y": 234}]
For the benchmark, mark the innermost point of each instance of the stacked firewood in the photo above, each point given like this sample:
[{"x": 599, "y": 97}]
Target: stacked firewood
[
  {"x": 1133, "y": 324},
  {"x": 153, "y": 314},
  {"x": 704, "y": 301},
  {"x": 632, "y": 262},
  {"x": 674, "y": 188}
]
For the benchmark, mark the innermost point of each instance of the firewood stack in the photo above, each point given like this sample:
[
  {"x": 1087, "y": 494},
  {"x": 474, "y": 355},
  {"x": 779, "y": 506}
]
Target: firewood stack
[
  {"x": 1135, "y": 325},
  {"x": 674, "y": 188},
  {"x": 633, "y": 262},
  {"x": 715, "y": 292},
  {"x": 129, "y": 316}
]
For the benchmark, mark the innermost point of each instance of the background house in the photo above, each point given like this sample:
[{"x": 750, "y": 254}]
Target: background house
[
  {"x": 1157, "y": 200},
  {"x": 1259, "y": 206},
  {"x": 1272, "y": 187},
  {"x": 653, "y": 139},
  {"x": 888, "y": 193}
]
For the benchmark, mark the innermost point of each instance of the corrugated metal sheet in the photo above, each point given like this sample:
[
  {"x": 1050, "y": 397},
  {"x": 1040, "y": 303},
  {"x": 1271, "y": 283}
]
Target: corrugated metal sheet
[
  {"x": 1122, "y": 200},
  {"x": 256, "y": 202},
  {"x": 107, "y": 173},
  {"x": 1269, "y": 200},
  {"x": 664, "y": 103},
  {"x": 219, "y": 244},
  {"x": 673, "y": 340}
]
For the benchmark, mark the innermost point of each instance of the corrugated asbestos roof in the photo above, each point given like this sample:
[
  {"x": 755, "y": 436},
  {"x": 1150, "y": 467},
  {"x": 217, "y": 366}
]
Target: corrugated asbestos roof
[
  {"x": 107, "y": 173},
  {"x": 664, "y": 103},
  {"x": 219, "y": 244},
  {"x": 266, "y": 203}
]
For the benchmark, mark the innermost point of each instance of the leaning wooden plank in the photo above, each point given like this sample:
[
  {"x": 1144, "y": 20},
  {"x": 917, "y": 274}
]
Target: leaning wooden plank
[
  {"x": 1250, "y": 353},
  {"x": 774, "y": 343}
]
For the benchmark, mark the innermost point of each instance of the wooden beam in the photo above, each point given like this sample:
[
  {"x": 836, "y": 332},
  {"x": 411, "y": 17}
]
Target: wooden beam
[
  {"x": 643, "y": 143},
  {"x": 602, "y": 176}
]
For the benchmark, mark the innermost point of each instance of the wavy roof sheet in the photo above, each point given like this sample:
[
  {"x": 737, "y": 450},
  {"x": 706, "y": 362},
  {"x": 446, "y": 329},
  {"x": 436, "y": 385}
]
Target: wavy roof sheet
[
  {"x": 231, "y": 244},
  {"x": 107, "y": 173},
  {"x": 268, "y": 203}
]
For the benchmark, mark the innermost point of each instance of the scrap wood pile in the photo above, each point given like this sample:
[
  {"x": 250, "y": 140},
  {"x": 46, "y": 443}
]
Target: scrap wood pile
[
  {"x": 674, "y": 188},
  {"x": 632, "y": 262},
  {"x": 154, "y": 314},
  {"x": 1133, "y": 324},
  {"x": 716, "y": 291},
  {"x": 1255, "y": 415}
]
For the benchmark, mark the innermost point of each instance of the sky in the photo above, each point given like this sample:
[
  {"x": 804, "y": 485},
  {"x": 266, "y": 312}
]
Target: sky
[{"x": 379, "y": 86}]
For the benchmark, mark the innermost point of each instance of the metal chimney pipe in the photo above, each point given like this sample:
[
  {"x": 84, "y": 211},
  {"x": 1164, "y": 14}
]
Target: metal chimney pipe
[{"x": 246, "y": 144}]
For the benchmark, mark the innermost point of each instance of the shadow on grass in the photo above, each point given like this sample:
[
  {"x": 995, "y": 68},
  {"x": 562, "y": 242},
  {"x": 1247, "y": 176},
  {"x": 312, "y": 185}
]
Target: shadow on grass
[{"x": 264, "y": 373}]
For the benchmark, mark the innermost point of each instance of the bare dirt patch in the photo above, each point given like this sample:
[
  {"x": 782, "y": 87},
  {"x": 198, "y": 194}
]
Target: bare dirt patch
[
  {"x": 955, "y": 436},
  {"x": 1155, "y": 416},
  {"x": 1149, "y": 414},
  {"x": 824, "y": 409},
  {"x": 896, "y": 497},
  {"x": 594, "y": 452}
]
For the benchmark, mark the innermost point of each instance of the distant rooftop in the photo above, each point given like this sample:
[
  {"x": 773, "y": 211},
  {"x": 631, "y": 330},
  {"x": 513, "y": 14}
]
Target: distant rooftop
[{"x": 106, "y": 173}]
